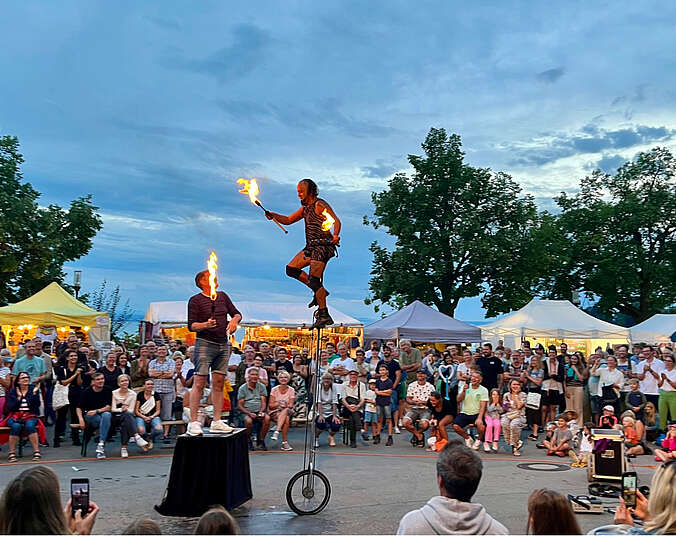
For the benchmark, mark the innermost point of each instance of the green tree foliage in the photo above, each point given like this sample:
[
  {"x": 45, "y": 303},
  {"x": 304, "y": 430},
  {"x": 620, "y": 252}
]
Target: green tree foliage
[
  {"x": 615, "y": 238},
  {"x": 35, "y": 240},
  {"x": 109, "y": 302},
  {"x": 460, "y": 232}
]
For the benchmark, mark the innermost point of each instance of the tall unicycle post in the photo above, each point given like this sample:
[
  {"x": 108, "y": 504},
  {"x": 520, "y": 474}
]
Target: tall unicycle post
[{"x": 308, "y": 491}]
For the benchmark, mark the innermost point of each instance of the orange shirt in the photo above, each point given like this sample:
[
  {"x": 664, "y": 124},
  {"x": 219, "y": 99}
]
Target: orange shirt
[{"x": 630, "y": 435}]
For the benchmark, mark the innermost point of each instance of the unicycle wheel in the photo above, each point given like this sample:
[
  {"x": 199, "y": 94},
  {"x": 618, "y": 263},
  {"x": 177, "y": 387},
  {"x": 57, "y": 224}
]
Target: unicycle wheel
[{"x": 308, "y": 492}]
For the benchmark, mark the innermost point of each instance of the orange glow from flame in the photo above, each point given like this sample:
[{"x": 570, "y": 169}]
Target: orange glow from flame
[
  {"x": 328, "y": 221},
  {"x": 212, "y": 266},
  {"x": 250, "y": 188}
]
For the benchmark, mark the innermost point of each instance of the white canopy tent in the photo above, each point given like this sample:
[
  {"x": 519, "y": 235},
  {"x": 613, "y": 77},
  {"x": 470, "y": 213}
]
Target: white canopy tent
[
  {"x": 658, "y": 328},
  {"x": 282, "y": 315},
  {"x": 419, "y": 322},
  {"x": 551, "y": 319}
]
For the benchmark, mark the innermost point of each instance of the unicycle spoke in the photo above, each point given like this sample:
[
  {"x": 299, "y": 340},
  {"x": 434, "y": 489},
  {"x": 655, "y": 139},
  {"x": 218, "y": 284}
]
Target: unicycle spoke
[{"x": 308, "y": 492}]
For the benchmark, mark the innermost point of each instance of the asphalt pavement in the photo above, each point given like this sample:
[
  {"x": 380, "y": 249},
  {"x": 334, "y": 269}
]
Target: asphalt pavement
[{"x": 373, "y": 486}]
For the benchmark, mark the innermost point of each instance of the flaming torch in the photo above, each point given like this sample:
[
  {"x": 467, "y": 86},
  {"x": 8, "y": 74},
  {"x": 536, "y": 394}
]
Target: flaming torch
[
  {"x": 328, "y": 221},
  {"x": 212, "y": 266},
  {"x": 250, "y": 188}
]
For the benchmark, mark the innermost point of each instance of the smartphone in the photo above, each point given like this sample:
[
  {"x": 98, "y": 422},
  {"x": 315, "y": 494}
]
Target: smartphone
[
  {"x": 629, "y": 489},
  {"x": 79, "y": 495}
]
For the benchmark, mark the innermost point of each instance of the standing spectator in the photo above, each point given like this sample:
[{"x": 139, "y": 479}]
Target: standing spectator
[
  {"x": 552, "y": 385},
  {"x": 110, "y": 371},
  {"x": 33, "y": 365},
  {"x": 533, "y": 378},
  {"x": 370, "y": 410},
  {"x": 299, "y": 380},
  {"x": 383, "y": 390},
  {"x": 410, "y": 360},
  {"x": 576, "y": 374},
  {"x": 162, "y": 370},
  {"x": 374, "y": 354},
  {"x": 626, "y": 366},
  {"x": 459, "y": 472},
  {"x": 514, "y": 419},
  {"x": 593, "y": 384},
  {"x": 635, "y": 400},
  {"x": 550, "y": 512},
  {"x": 94, "y": 410},
  {"x": 491, "y": 368},
  {"x": 263, "y": 376},
  {"x": 147, "y": 409},
  {"x": 5, "y": 378},
  {"x": 417, "y": 397},
  {"x": 395, "y": 374},
  {"x": 667, "y": 385},
  {"x": 48, "y": 384},
  {"x": 341, "y": 367},
  {"x": 23, "y": 408},
  {"x": 515, "y": 370},
  {"x": 71, "y": 376},
  {"x": 252, "y": 404},
  {"x": 139, "y": 369},
  {"x": 327, "y": 411},
  {"x": 352, "y": 403},
  {"x": 282, "y": 399},
  {"x": 474, "y": 399},
  {"x": 246, "y": 362},
  {"x": 282, "y": 362},
  {"x": 465, "y": 369},
  {"x": 611, "y": 381},
  {"x": 564, "y": 356},
  {"x": 361, "y": 365},
  {"x": 71, "y": 344},
  {"x": 123, "y": 363},
  {"x": 122, "y": 410},
  {"x": 648, "y": 372}
]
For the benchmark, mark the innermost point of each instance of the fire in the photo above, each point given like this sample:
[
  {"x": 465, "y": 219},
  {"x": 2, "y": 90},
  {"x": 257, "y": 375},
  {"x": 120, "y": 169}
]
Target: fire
[
  {"x": 328, "y": 221},
  {"x": 249, "y": 188},
  {"x": 212, "y": 266}
]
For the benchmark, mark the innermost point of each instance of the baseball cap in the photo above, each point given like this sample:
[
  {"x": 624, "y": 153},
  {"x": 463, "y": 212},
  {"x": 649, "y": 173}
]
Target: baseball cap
[
  {"x": 372, "y": 380},
  {"x": 353, "y": 372},
  {"x": 608, "y": 408}
]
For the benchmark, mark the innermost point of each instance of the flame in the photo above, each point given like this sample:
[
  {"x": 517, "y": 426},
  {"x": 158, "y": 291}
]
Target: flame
[
  {"x": 249, "y": 188},
  {"x": 212, "y": 266},
  {"x": 328, "y": 221}
]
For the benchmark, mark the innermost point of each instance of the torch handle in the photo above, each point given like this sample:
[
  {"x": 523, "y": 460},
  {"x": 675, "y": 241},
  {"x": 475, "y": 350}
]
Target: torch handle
[{"x": 276, "y": 222}]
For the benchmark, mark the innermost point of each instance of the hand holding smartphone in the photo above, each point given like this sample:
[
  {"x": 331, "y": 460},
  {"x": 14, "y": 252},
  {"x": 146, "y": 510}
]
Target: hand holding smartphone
[
  {"x": 79, "y": 496},
  {"x": 629, "y": 485}
]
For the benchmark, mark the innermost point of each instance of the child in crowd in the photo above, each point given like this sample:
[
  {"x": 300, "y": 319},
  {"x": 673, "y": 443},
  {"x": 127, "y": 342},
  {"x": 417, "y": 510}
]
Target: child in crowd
[
  {"x": 668, "y": 450},
  {"x": 561, "y": 439},
  {"x": 607, "y": 420},
  {"x": 635, "y": 400},
  {"x": 383, "y": 393},
  {"x": 492, "y": 420},
  {"x": 586, "y": 447},
  {"x": 632, "y": 441},
  {"x": 370, "y": 412}
]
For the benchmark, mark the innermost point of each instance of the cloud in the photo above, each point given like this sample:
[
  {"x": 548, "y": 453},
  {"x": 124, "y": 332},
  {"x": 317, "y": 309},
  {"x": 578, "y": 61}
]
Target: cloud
[
  {"x": 380, "y": 170},
  {"x": 551, "y": 75},
  {"x": 248, "y": 50}
]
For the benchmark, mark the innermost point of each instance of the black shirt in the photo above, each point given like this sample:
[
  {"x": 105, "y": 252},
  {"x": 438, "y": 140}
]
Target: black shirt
[
  {"x": 490, "y": 367},
  {"x": 199, "y": 310},
  {"x": 392, "y": 368},
  {"x": 110, "y": 377},
  {"x": 91, "y": 400},
  {"x": 447, "y": 408},
  {"x": 287, "y": 365},
  {"x": 142, "y": 399}
]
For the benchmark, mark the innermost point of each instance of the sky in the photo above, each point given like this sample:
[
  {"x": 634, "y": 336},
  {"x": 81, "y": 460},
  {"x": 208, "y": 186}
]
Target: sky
[{"x": 157, "y": 108}]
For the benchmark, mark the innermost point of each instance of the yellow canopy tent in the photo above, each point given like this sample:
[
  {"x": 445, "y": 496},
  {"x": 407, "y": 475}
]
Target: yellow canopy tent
[{"x": 53, "y": 306}]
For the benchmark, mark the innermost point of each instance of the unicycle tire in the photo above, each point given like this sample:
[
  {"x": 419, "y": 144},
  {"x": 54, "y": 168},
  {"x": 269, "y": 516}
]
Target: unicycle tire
[{"x": 307, "y": 497}]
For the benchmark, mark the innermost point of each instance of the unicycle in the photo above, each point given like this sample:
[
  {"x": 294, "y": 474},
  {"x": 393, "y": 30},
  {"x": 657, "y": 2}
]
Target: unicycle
[{"x": 308, "y": 492}]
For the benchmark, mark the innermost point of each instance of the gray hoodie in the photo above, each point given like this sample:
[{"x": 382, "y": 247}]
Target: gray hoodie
[{"x": 442, "y": 515}]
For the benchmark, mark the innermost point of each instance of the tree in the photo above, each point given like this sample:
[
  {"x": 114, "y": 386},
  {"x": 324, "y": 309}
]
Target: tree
[
  {"x": 460, "y": 232},
  {"x": 36, "y": 241},
  {"x": 109, "y": 302},
  {"x": 616, "y": 238}
]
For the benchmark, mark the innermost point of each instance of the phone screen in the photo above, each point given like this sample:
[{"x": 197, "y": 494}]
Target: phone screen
[
  {"x": 79, "y": 494},
  {"x": 629, "y": 489}
]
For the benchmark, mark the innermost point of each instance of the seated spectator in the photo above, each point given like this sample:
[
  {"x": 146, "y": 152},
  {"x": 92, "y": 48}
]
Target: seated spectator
[
  {"x": 252, "y": 404},
  {"x": 5, "y": 378},
  {"x": 352, "y": 403},
  {"x": 143, "y": 526},
  {"x": 31, "y": 504},
  {"x": 632, "y": 442},
  {"x": 216, "y": 520},
  {"x": 442, "y": 412},
  {"x": 560, "y": 442},
  {"x": 668, "y": 450},
  {"x": 110, "y": 371},
  {"x": 452, "y": 512},
  {"x": 550, "y": 512},
  {"x": 327, "y": 412},
  {"x": 494, "y": 411},
  {"x": 607, "y": 420},
  {"x": 474, "y": 400},
  {"x": 147, "y": 409},
  {"x": 417, "y": 397},
  {"x": 281, "y": 407},
  {"x": 94, "y": 410},
  {"x": 514, "y": 418},
  {"x": 122, "y": 410},
  {"x": 23, "y": 408}
]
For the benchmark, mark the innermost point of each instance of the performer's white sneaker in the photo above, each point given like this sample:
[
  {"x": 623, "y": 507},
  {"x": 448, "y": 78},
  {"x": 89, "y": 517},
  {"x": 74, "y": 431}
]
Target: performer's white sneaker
[
  {"x": 219, "y": 427},
  {"x": 195, "y": 429}
]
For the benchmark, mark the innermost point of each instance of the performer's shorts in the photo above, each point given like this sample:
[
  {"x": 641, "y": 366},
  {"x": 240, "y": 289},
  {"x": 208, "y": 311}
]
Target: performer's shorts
[
  {"x": 319, "y": 253},
  {"x": 211, "y": 355}
]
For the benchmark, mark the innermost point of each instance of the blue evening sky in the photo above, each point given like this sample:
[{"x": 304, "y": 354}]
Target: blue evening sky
[{"x": 157, "y": 108}]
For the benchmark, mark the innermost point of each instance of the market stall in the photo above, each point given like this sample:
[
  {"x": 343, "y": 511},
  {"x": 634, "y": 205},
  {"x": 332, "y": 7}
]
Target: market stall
[
  {"x": 553, "y": 322},
  {"x": 657, "y": 329},
  {"x": 52, "y": 314},
  {"x": 287, "y": 324}
]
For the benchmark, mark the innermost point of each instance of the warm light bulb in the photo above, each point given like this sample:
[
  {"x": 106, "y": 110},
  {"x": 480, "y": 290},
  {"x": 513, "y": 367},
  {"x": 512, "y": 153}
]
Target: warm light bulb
[
  {"x": 266, "y": 326},
  {"x": 86, "y": 328},
  {"x": 29, "y": 326}
]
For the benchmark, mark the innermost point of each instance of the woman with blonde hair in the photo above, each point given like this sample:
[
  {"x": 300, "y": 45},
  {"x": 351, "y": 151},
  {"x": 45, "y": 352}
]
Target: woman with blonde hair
[{"x": 550, "y": 512}]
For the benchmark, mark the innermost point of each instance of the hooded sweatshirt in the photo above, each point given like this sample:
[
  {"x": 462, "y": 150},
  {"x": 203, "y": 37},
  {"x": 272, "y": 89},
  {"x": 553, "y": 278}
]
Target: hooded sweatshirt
[{"x": 442, "y": 515}]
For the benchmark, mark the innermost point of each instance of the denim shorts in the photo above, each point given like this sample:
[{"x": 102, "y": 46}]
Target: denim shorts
[
  {"x": 384, "y": 412},
  {"x": 155, "y": 422},
  {"x": 211, "y": 355},
  {"x": 370, "y": 416},
  {"x": 394, "y": 400}
]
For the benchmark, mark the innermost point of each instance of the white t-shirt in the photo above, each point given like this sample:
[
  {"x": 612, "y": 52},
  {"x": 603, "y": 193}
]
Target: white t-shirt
[
  {"x": 327, "y": 399},
  {"x": 370, "y": 355},
  {"x": 370, "y": 405},
  {"x": 4, "y": 372},
  {"x": 671, "y": 374},
  {"x": 649, "y": 383},
  {"x": 610, "y": 377},
  {"x": 235, "y": 359},
  {"x": 462, "y": 367}
]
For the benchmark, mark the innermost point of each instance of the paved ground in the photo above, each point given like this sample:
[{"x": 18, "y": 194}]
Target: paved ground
[{"x": 373, "y": 487}]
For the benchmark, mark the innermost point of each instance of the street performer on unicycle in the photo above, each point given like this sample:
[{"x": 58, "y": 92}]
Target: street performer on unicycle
[{"x": 320, "y": 245}]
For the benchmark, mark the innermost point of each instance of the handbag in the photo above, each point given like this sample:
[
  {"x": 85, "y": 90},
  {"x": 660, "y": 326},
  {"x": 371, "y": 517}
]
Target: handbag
[
  {"x": 608, "y": 394},
  {"x": 60, "y": 396},
  {"x": 533, "y": 400},
  {"x": 512, "y": 414}
]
